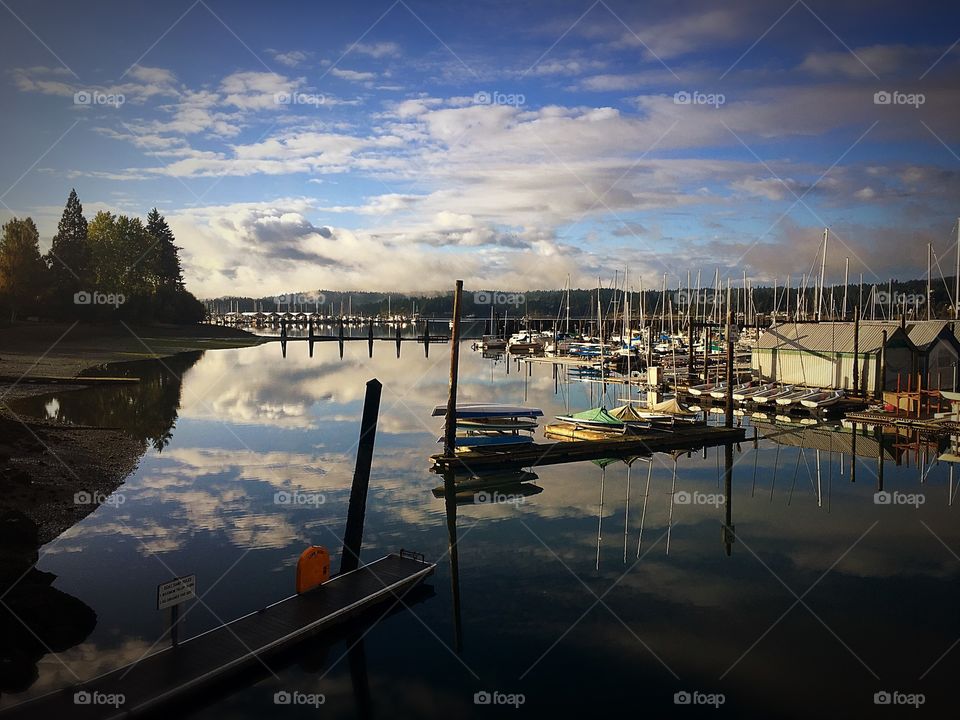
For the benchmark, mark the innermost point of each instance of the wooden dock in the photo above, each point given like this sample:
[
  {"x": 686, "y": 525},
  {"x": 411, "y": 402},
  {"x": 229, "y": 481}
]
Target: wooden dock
[
  {"x": 942, "y": 426},
  {"x": 643, "y": 442},
  {"x": 171, "y": 674}
]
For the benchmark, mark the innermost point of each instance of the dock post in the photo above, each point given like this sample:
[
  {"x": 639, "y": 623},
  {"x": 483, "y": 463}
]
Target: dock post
[
  {"x": 370, "y": 337},
  {"x": 856, "y": 350},
  {"x": 353, "y": 535},
  {"x": 728, "y": 420},
  {"x": 450, "y": 426}
]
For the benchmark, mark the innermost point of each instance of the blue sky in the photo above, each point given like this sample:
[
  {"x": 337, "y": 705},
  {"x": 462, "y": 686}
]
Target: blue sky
[{"x": 398, "y": 145}]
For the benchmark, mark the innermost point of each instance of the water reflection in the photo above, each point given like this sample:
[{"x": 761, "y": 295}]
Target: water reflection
[
  {"x": 146, "y": 409},
  {"x": 35, "y": 617},
  {"x": 518, "y": 583}
]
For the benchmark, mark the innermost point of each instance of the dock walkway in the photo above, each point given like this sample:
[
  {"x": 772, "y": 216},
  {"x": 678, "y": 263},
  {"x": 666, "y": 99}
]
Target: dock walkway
[{"x": 171, "y": 673}]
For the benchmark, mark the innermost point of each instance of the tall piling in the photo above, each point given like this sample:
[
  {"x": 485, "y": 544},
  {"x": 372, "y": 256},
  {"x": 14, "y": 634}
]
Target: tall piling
[
  {"x": 353, "y": 535},
  {"x": 450, "y": 426}
]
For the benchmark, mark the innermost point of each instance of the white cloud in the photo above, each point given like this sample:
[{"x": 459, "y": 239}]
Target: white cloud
[
  {"x": 377, "y": 50},
  {"x": 291, "y": 59},
  {"x": 353, "y": 75}
]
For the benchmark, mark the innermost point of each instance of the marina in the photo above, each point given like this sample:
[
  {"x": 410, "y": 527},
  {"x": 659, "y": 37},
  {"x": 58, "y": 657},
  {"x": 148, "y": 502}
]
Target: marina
[{"x": 466, "y": 360}]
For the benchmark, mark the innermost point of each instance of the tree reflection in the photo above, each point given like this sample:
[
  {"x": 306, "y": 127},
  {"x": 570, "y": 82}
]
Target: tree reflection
[{"x": 146, "y": 410}]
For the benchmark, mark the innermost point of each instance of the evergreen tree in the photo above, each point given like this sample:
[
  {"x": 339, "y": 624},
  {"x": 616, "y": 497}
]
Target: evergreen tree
[
  {"x": 69, "y": 256},
  {"x": 23, "y": 275},
  {"x": 168, "y": 262}
]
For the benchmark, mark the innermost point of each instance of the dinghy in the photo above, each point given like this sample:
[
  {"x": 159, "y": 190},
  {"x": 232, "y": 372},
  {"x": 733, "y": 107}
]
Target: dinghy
[
  {"x": 595, "y": 419},
  {"x": 487, "y": 410},
  {"x": 747, "y": 393},
  {"x": 793, "y": 398},
  {"x": 822, "y": 399}
]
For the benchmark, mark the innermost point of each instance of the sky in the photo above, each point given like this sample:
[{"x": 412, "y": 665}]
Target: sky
[{"x": 398, "y": 146}]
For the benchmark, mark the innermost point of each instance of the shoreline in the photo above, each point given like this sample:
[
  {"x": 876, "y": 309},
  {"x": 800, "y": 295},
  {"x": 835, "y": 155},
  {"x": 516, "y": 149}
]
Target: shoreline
[{"x": 45, "y": 464}]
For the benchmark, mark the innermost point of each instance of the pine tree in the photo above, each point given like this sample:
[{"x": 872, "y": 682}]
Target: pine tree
[
  {"x": 170, "y": 272},
  {"x": 69, "y": 256},
  {"x": 22, "y": 271}
]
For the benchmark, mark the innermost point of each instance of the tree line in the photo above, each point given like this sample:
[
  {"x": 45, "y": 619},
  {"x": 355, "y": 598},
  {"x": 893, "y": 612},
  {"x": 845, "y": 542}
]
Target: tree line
[{"x": 112, "y": 267}]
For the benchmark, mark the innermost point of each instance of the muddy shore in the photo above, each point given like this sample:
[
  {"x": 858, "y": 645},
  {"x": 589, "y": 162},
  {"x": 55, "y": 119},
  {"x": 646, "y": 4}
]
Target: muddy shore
[{"x": 48, "y": 469}]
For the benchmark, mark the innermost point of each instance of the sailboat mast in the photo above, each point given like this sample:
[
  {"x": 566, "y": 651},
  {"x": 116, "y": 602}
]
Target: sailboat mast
[
  {"x": 823, "y": 269},
  {"x": 846, "y": 280},
  {"x": 956, "y": 291}
]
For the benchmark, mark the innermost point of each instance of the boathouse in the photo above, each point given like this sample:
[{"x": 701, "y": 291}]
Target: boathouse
[{"x": 822, "y": 354}]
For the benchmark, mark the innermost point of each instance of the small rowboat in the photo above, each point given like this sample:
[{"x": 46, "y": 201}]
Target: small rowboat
[
  {"x": 497, "y": 424},
  {"x": 465, "y": 442},
  {"x": 697, "y": 390},
  {"x": 796, "y": 396},
  {"x": 720, "y": 391},
  {"x": 749, "y": 392},
  {"x": 769, "y": 396},
  {"x": 486, "y": 410},
  {"x": 596, "y": 419},
  {"x": 822, "y": 399}
]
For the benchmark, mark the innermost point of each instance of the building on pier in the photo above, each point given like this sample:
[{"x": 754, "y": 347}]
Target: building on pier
[{"x": 822, "y": 355}]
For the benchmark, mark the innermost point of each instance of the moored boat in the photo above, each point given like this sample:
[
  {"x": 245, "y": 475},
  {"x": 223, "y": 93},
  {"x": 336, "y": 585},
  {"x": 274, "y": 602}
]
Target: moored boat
[
  {"x": 822, "y": 399},
  {"x": 795, "y": 397}
]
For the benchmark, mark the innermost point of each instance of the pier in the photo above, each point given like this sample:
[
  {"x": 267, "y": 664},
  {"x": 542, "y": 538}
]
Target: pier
[{"x": 173, "y": 673}]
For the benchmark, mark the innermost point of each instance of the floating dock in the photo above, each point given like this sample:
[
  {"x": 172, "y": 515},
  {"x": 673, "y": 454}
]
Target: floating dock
[
  {"x": 173, "y": 673},
  {"x": 643, "y": 442}
]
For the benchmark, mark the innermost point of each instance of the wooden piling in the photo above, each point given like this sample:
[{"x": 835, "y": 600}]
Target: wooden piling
[
  {"x": 450, "y": 426},
  {"x": 856, "y": 350},
  {"x": 353, "y": 535},
  {"x": 728, "y": 420}
]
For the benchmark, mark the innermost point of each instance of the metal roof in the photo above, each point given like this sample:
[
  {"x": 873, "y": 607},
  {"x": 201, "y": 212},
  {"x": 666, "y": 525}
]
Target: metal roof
[{"x": 828, "y": 337}]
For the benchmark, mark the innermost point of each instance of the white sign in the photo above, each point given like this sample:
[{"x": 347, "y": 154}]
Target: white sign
[{"x": 174, "y": 592}]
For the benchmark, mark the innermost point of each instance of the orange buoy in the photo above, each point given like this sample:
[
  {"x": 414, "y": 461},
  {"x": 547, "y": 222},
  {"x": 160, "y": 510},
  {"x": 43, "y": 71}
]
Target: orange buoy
[{"x": 313, "y": 568}]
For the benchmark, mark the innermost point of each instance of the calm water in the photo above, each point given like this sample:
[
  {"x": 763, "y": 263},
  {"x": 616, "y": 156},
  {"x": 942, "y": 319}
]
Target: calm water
[{"x": 824, "y": 599}]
